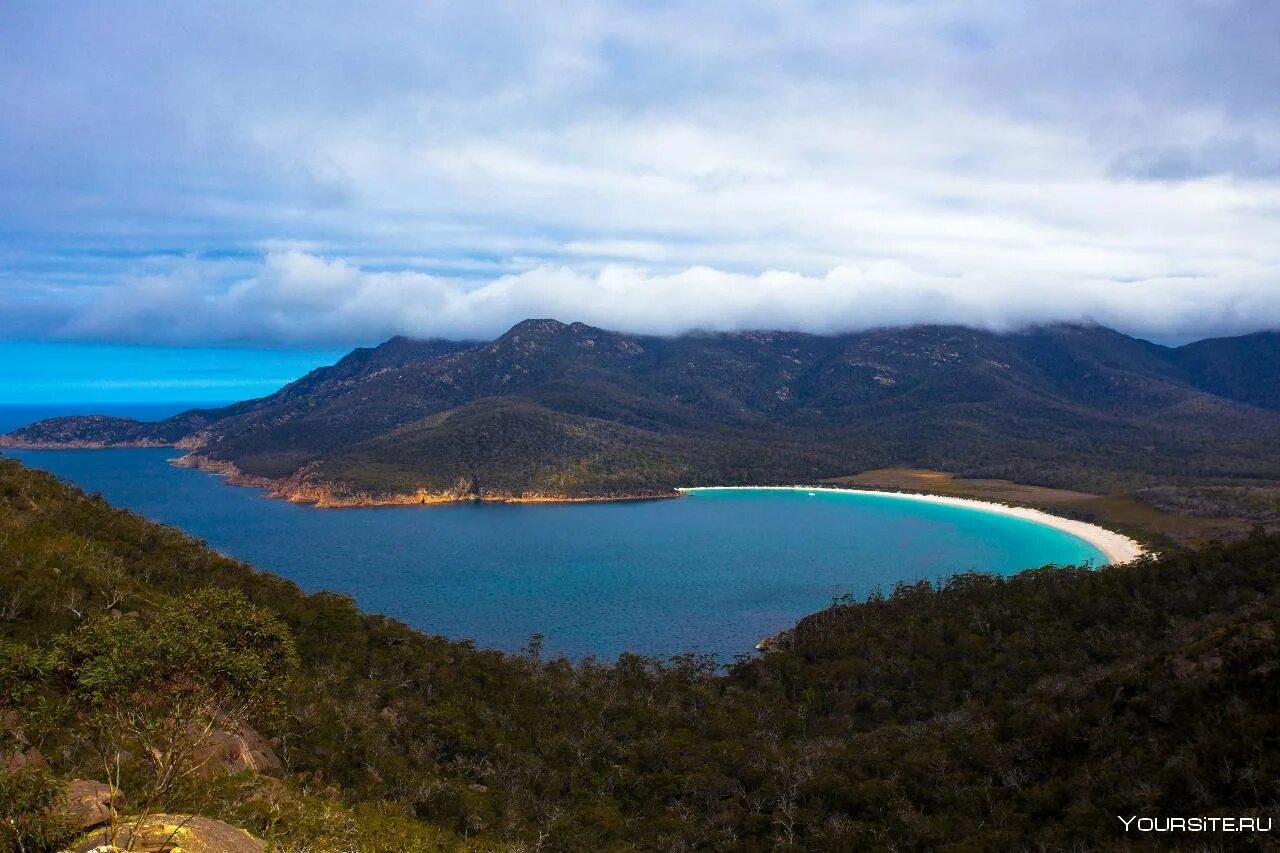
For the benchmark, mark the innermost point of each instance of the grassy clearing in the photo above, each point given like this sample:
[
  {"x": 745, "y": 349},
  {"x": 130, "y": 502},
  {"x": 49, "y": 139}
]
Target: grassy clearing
[{"x": 1125, "y": 512}]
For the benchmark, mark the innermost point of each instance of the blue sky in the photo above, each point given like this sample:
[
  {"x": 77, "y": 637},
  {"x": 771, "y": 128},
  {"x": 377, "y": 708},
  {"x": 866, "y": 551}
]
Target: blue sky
[
  {"x": 310, "y": 176},
  {"x": 65, "y": 374}
]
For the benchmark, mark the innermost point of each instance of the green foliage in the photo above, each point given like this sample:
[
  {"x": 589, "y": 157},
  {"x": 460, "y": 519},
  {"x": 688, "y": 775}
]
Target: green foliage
[
  {"x": 31, "y": 810},
  {"x": 21, "y": 670},
  {"x": 307, "y": 822},
  {"x": 206, "y": 648},
  {"x": 982, "y": 713},
  {"x": 152, "y": 689},
  {"x": 1259, "y": 504}
]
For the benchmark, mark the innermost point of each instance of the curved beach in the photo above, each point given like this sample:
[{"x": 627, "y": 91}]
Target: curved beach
[{"x": 1116, "y": 547}]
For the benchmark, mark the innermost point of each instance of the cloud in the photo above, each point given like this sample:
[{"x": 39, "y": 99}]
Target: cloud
[
  {"x": 1239, "y": 157},
  {"x": 295, "y": 173},
  {"x": 298, "y": 298}
]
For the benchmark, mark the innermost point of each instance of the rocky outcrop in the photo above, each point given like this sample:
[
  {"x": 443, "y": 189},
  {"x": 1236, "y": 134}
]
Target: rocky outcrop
[
  {"x": 168, "y": 833},
  {"x": 93, "y": 808},
  {"x": 236, "y": 752},
  {"x": 779, "y": 642},
  {"x": 91, "y": 804}
]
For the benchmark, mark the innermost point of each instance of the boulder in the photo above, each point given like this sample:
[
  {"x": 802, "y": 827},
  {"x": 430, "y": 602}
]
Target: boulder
[
  {"x": 91, "y": 804},
  {"x": 236, "y": 751},
  {"x": 16, "y": 759},
  {"x": 166, "y": 833}
]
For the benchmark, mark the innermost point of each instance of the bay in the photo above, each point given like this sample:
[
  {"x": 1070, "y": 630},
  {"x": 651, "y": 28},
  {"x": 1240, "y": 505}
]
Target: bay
[{"x": 713, "y": 572}]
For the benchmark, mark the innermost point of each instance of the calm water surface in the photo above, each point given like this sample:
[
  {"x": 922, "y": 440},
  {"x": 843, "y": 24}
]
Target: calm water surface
[{"x": 713, "y": 572}]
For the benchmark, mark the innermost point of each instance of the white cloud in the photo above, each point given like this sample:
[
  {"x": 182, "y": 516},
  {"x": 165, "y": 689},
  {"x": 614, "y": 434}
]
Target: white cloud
[{"x": 300, "y": 298}]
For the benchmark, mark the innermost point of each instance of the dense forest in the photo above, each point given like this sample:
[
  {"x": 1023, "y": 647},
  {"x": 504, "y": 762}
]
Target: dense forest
[
  {"x": 567, "y": 410},
  {"x": 981, "y": 714}
]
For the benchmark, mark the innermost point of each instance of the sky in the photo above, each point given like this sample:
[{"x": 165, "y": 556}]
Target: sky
[
  {"x": 305, "y": 177},
  {"x": 49, "y": 376}
]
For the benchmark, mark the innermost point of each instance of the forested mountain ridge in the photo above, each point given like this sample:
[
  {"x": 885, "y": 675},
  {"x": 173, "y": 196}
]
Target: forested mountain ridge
[
  {"x": 988, "y": 713},
  {"x": 567, "y": 410},
  {"x": 1245, "y": 368}
]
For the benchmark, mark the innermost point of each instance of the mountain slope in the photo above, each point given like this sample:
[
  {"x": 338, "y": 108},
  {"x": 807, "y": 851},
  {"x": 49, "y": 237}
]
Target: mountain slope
[
  {"x": 1245, "y": 369},
  {"x": 567, "y": 410}
]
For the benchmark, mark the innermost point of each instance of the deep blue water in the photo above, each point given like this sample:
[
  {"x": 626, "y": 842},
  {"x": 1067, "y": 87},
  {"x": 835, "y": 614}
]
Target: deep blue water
[{"x": 713, "y": 572}]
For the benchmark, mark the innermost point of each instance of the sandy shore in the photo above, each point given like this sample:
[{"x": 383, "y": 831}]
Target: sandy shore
[{"x": 1116, "y": 547}]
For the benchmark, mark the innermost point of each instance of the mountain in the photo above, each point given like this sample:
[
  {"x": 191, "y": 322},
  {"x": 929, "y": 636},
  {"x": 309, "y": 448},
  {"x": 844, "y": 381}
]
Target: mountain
[
  {"x": 1245, "y": 369},
  {"x": 552, "y": 411}
]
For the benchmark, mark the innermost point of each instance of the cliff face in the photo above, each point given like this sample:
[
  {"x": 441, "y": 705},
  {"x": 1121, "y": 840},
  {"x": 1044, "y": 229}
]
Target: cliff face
[{"x": 550, "y": 410}]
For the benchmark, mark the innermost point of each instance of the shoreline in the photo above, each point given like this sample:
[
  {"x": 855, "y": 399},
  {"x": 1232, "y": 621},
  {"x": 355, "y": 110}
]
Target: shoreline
[
  {"x": 319, "y": 495},
  {"x": 1115, "y": 547}
]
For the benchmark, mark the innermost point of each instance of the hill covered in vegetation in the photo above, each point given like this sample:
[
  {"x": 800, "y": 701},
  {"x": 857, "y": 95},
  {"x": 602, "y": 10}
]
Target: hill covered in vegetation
[
  {"x": 550, "y": 410},
  {"x": 986, "y": 713}
]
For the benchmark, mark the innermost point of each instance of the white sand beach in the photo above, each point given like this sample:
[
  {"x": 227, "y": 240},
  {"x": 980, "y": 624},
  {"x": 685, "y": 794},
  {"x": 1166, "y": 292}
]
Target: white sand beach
[{"x": 1116, "y": 547}]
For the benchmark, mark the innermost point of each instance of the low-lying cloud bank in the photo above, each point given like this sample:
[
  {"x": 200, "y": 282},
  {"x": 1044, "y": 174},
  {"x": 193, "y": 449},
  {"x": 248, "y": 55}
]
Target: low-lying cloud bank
[{"x": 298, "y": 298}]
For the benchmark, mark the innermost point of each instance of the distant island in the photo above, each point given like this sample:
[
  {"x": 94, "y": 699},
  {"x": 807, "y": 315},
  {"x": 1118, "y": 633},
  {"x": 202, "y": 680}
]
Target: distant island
[{"x": 561, "y": 412}]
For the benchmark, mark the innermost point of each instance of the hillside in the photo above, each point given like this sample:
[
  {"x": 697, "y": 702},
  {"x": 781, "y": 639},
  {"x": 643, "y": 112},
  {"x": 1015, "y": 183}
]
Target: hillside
[
  {"x": 550, "y": 410},
  {"x": 1020, "y": 713}
]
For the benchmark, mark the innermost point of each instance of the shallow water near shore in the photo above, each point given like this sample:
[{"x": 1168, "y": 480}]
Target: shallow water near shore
[{"x": 711, "y": 572}]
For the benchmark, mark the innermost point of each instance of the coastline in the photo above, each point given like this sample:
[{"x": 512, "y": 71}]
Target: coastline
[
  {"x": 299, "y": 490},
  {"x": 320, "y": 495},
  {"x": 9, "y": 443},
  {"x": 1115, "y": 547}
]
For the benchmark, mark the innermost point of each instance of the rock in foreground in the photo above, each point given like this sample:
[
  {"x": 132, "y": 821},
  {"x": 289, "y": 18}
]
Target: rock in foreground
[
  {"x": 91, "y": 804},
  {"x": 163, "y": 833}
]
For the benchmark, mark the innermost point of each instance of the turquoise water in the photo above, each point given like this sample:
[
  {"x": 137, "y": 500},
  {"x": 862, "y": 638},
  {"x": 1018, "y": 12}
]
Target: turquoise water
[{"x": 712, "y": 572}]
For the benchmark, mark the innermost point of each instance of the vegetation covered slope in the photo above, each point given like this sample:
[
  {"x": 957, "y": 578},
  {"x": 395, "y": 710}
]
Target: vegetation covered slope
[
  {"x": 595, "y": 413},
  {"x": 986, "y": 714}
]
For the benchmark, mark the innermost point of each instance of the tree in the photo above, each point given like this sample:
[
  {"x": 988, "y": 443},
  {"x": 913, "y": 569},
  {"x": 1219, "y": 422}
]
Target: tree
[{"x": 154, "y": 689}]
